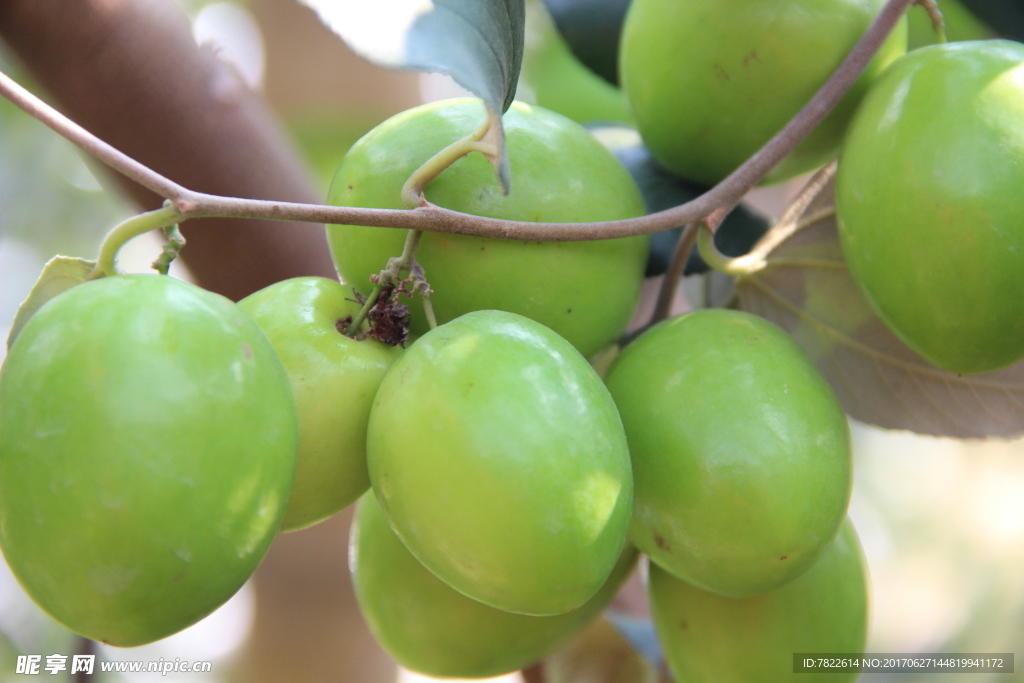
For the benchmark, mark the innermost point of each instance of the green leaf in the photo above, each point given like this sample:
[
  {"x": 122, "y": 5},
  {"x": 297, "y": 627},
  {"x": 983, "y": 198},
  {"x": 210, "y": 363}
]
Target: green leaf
[
  {"x": 60, "y": 274},
  {"x": 479, "y": 43},
  {"x": 802, "y": 284}
]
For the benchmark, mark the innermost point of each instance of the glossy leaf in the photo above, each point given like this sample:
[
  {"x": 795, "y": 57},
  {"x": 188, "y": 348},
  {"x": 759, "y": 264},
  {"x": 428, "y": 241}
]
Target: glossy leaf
[
  {"x": 803, "y": 286},
  {"x": 60, "y": 274},
  {"x": 479, "y": 43}
]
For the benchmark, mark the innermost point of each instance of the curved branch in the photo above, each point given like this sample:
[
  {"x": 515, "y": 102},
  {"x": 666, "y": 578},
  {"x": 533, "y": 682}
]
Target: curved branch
[{"x": 433, "y": 218}]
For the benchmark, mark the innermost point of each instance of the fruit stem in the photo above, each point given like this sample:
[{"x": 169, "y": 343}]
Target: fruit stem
[
  {"x": 405, "y": 261},
  {"x": 428, "y": 310},
  {"x": 120, "y": 234},
  {"x": 935, "y": 14},
  {"x": 172, "y": 247},
  {"x": 798, "y": 216},
  {"x": 392, "y": 276},
  {"x": 670, "y": 284},
  {"x": 353, "y": 327},
  {"x": 435, "y": 165},
  {"x": 714, "y": 258}
]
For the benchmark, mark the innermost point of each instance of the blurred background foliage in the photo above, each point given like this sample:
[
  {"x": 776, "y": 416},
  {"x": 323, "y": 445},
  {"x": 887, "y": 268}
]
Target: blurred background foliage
[{"x": 942, "y": 521}]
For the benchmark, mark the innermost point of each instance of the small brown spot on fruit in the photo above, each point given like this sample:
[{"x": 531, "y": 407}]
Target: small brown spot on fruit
[
  {"x": 683, "y": 624},
  {"x": 662, "y": 543},
  {"x": 784, "y": 557},
  {"x": 247, "y": 351}
]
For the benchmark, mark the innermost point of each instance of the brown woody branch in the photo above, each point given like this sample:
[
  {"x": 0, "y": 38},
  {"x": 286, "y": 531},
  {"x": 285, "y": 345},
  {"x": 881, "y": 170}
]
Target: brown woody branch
[{"x": 429, "y": 217}]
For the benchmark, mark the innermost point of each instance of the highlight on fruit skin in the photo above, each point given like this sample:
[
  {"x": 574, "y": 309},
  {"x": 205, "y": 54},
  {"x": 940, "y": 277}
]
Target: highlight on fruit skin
[
  {"x": 584, "y": 291},
  {"x": 429, "y": 627},
  {"x": 740, "y": 451},
  {"x": 928, "y": 203},
  {"x": 147, "y": 449},
  {"x": 499, "y": 459},
  {"x": 709, "y": 638}
]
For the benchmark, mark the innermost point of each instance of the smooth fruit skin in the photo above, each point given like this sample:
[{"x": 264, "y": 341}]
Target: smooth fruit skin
[
  {"x": 334, "y": 379},
  {"x": 147, "y": 449},
  {"x": 741, "y": 453},
  {"x": 708, "y": 638},
  {"x": 500, "y": 461},
  {"x": 429, "y": 627},
  {"x": 928, "y": 195},
  {"x": 710, "y": 81},
  {"x": 559, "y": 81},
  {"x": 584, "y": 291}
]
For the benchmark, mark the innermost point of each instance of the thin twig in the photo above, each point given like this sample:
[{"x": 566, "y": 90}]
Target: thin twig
[
  {"x": 935, "y": 16},
  {"x": 435, "y": 219},
  {"x": 670, "y": 284}
]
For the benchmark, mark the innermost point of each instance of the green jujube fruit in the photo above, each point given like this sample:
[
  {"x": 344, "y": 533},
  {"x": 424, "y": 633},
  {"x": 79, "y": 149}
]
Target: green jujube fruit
[
  {"x": 334, "y": 379},
  {"x": 559, "y": 81},
  {"x": 741, "y": 452},
  {"x": 499, "y": 459},
  {"x": 709, "y": 638},
  {"x": 928, "y": 200},
  {"x": 711, "y": 81},
  {"x": 429, "y": 627},
  {"x": 147, "y": 450},
  {"x": 584, "y": 291}
]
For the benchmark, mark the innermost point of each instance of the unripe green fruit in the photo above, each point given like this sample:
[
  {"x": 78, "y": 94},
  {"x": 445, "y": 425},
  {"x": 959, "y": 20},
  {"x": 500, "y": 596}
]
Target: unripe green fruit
[
  {"x": 500, "y": 461},
  {"x": 147, "y": 450},
  {"x": 584, "y": 291},
  {"x": 929, "y": 206},
  {"x": 740, "y": 451},
  {"x": 334, "y": 379},
  {"x": 709, "y": 638},
  {"x": 711, "y": 81},
  {"x": 559, "y": 81},
  {"x": 430, "y": 627}
]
